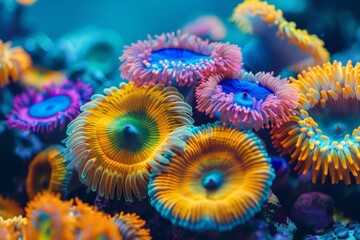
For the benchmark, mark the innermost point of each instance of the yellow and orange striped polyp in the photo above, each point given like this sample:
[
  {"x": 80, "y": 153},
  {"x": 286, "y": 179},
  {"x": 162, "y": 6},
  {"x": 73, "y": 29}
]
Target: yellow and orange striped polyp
[
  {"x": 9, "y": 208},
  {"x": 49, "y": 218},
  {"x": 107, "y": 160},
  {"x": 47, "y": 171},
  {"x": 13, "y": 62},
  {"x": 328, "y": 94},
  {"x": 245, "y": 13},
  {"x": 130, "y": 226},
  {"x": 242, "y": 175}
]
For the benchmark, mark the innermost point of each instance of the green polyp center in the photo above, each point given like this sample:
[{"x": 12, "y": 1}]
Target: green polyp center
[
  {"x": 43, "y": 225},
  {"x": 132, "y": 132},
  {"x": 213, "y": 180},
  {"x": 101, "y": 237}
]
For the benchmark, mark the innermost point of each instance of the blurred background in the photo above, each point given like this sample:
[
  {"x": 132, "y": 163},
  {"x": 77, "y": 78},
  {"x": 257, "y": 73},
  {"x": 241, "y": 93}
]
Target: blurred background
[{"x": 336, "y": 22}]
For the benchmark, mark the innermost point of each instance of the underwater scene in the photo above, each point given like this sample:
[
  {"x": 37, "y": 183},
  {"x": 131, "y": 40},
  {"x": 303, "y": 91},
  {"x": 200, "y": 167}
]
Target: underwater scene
[{"x": 181, "y": 120}]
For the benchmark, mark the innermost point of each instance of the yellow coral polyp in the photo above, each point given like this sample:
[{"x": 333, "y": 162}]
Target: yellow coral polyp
[
  {"x": 249, "y": 9},
  {"x": 324, "y": 136},
  {"x": 308, "y": 43},
  {"x": 212, "y": 178},
  {"x": 13, "y": 62},
  {"x": 115, "y": 137}
]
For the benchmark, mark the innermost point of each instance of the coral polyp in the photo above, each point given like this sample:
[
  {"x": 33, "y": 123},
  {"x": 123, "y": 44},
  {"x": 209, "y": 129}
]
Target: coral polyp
[
  {"x": 13, "y": 62},
  {"x": 210, "y": 26},
  {"x": 130, "y": 226},
  {"x": 37, "y": 77},
  {"x": 324, "y": 136},
  {"x": 281, "y": 45},
  {"x": 98, "y": 226},
  {"x": 9, "y": 208},
  {"x": 49, "y": 218},
  {"x": 177, "y": 59},
  {"x": 26, "y": 2},
  {"x": 47, "y": 171},
  {"x": 210, "y": 177},
  {"x": 92, "y": 224},
  {"x": 115, "y": 137},
  {"x": 8, "y": 232},
  {"x": 13, "y": 228},
  {"x": 247, "y": 100},
  {"x": 49, "y": 109}
]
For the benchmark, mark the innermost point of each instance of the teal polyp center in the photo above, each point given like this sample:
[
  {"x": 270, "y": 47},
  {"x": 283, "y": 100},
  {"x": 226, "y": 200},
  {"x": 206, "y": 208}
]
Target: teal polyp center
[
  {"x": 336, "y": 119},
  {"x": 176, "y": 55},
  {"x": 336, "y": 127},
  {"x": 50, "y": 106},
  {"x": 213, "y": 180},
  {"x": 43, "y": 225},
  {"x": 133, "y": 132}
]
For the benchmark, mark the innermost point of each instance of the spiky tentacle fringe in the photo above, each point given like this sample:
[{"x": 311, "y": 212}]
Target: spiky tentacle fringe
[{"x": 139, "y": 68}]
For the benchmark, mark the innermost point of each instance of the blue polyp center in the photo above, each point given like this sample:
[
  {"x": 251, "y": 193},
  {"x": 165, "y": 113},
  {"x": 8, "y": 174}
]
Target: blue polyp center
[
  {"x": 212, "y": 180},
  {"x": 176, "y": 55},
  {"x": 50, "y": 106},
  {"x": 244, "y": 91}
]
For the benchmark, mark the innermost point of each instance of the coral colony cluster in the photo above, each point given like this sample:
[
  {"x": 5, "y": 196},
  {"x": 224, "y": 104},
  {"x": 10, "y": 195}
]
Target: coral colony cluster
[{"x": 200, "y": 140}]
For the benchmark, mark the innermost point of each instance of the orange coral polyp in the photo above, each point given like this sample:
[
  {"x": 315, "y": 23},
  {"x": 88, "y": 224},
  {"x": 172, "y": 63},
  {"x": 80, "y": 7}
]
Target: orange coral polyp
[
  {"x": 47, "y": 171},
  {"x": 49, "y": 218},
  {"x": 130, "y": 226},
  {"x": 13, "y": 62},
  {"x": 38, "y": 77},
  {"x": 324, "y": 136},
  {"x": 210, "y": 177},
  {"x": 113, "y": 140},
  {"x": 92, "y": 224},
  {"x": 9, "y": 208}
]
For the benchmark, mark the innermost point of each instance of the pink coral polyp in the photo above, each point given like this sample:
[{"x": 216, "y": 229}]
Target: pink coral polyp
[
  {"x": 247, "y": 100},
  {"x": 51, "y": 108},
  {"x": 177, "y": 56}
]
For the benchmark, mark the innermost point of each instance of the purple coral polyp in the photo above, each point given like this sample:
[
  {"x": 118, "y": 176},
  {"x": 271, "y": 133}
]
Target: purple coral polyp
[
  {"x": 177, "y": 56},
  {"x": 247, "y": 100},
  {"x": 51, "y": 108}
]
